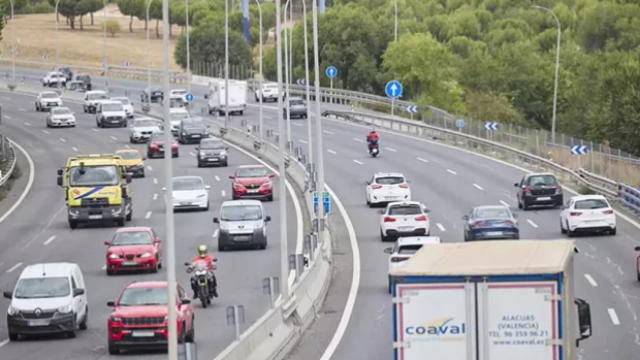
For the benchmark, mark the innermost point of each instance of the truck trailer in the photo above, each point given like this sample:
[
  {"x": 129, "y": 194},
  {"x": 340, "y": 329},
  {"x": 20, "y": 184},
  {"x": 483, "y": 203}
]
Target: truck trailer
[{"x": 493, "y": 300}]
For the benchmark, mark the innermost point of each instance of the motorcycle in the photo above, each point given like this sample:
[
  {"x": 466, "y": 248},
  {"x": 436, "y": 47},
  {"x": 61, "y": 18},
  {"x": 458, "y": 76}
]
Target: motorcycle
[
  {"x": 374, "y": 151},
  {"x": 201, "y": 277}
]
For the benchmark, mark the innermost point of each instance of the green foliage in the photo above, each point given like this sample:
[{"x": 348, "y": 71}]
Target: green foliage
[
  {"x": 113, "y": 27},
  {"x": 42, "y": 8}
]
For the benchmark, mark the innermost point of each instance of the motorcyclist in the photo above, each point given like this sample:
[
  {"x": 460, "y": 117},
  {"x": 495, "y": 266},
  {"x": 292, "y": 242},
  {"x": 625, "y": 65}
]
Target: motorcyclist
[
  {"x": 372, "y": 139},
  {"x": 203, "y": 255}
]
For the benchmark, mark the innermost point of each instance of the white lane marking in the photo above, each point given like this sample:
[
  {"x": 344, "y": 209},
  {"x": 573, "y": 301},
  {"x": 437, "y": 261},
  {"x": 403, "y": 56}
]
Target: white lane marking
[
  {"x": 504, "y": 203},
  {"x": 215, "y": 233},
  {"x": 96, "y": 130},
  {"x": 6, "y": 98},
  {"x": 74, "y": 149},
  {"x": 9, "y": 118},
  {"x": 223, "y": 193},
  {"x": 423, "y": 160},
  {"x": 150, "y": 168},
  {"x": 614, "y": 316},
  {"x": 296, "y": 124},
  {"x": 4, "y": 342},
  {"x": 155, "y": 196},
  {"x": 46, "y": 132},
  {"x": 155, "y": 181},
  {"x": 217, "y": 178},
  {"x": 331, "y": 151},
  {"x": 478, "y": 186},
  {"x": 392, "y": 150},
  {"x": 302, "y": 141},
  {"x": 14, "y": 267},
  {"x": 532, "y": 223},
  {"x": 452, "y": 172},
  {"x": 591, "y": 280},
  {"x": 104, "y": 267},
  {"x": 148, "y": 215},
  {"x": 127, "y": 146},
  {"x": 49, "y": 240},
  {"x": 113, "y": 138},
  {"x": 440, "y": 227},
  {"x": 327, "y": 132},
  {"x": 27, "y": 124},
  {"x": 192, "y": 154},
  {"x": 357, "y": 162},
  {"x": 32, "y": 174},
  {"x": 21, "y": 109},
  {"x": 63, "y": 140},
  {"x": 356, "y": 139}
]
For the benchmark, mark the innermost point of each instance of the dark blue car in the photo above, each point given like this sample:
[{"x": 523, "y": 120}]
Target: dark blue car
[{"x": 492, "y": 222}]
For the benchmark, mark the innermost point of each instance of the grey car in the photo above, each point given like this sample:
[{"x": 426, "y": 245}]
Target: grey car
[
  {"x": 296, "y": 106},
  {"x": 212, "y": 151},
  {"x": 192, "y": 131}
]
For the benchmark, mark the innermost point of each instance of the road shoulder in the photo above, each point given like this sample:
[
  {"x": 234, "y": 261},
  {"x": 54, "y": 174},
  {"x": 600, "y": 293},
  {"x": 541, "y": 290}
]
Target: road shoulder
[{"x": 11, "y": 192}]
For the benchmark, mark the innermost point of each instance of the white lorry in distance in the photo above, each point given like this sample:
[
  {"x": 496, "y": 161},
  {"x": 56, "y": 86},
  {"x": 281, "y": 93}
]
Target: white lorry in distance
[
  {"x": 489, "y": 300},
  {"x": 237, "y": 97}
]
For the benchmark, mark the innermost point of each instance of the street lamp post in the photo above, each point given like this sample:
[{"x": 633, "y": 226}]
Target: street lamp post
[
  {"x": 555, "y": 81},
  {"x": 395, "y": 25},
  {"x": 13, "y": 48},
  {"x": 286, "y": 77},
  {"x": 320, "y": 153},
  {"x": 306, "y": 83},
  {"x": 148, "y": 51},
  {"x": 290, "y": 144},
  {"x": 57, "y": 40},
  {"x": 188, "y": 51},
  {"x": 104, "y": 45},
  {"x": 226, "y": 63},
  {"x": 261, "y": 123}
]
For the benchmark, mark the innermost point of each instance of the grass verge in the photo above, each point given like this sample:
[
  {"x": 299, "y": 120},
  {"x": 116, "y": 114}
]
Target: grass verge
[{"x": 15, "y": 175}]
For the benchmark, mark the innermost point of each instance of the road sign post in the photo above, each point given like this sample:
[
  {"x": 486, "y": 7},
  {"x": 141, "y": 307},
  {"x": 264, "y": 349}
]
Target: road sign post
[
  {"x": 331, "y": 72},
  {"x": 579, "y": 150},
  {"x": 393, "y": 89},
  {"x": 460, "y": 124},
  {"x": 490, "y": 127},
  {"x": 412, "y": 109}
]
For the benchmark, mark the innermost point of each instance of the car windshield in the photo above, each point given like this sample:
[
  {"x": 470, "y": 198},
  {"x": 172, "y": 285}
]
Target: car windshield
[
  {"x": 39, "y": 288},
  {"x": 157, "y": 136},
  {"x": 542, "y": 180},
  {"x": 241, "y": 213},
  {"x": 409, "y": 249},
  {"x": 296, "y": 102},
  {"x": 271, "y": 87},
  {"x": 49, "y": 95},
  {"x": 61, "y": 111},
  {"x": 187, "y": 184},
  {"x": 177, "y": 116},
  {"x": 413, "y": 209},
  {"x": 193, "y": 124},
  {"x": 129, "y": 155},
  {"x": 212, "y": 145},
  {"x": 112, "y": 107},
  {"x": 251, "y": 172},
  {"x": 132, "y": 238},
  {"x": 124, "y": 101},
  {"x": 390, "y": 180},
  {"x": 591, "y": 204},
  {"x": 97, "y": 97},
  {"x": 94, "y": 176},
  {"x": 146, "y": 123},
  {"x": 492, "y": 213},
  {"x": 143, "y": 296}
]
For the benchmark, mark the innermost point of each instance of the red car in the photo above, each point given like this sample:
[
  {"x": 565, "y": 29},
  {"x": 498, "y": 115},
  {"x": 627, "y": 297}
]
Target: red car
[
  {"x": 155, "y": 148},
  {"x": 134, "y": 248},
  {"x": 252, "y": 182},
  {"x": 139, "y": 317}
]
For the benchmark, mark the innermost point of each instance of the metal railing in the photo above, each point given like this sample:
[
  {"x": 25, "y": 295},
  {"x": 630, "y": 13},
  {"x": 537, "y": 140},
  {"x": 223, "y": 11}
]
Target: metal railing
[
  {"x": 629, "y": 197},
  {"x": 7, "y": 160}
]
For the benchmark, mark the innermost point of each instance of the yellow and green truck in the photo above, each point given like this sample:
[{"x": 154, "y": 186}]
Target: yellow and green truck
[{"x": 96, "y": 189}]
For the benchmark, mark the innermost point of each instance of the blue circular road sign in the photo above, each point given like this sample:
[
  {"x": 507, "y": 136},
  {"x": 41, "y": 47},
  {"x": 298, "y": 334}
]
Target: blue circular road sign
[
  {"x": 331, "y": 72},
  {"x": 189, "y": 97},
  {"x": 393, "y": 89},
  {"x": 460, "y": 123}
]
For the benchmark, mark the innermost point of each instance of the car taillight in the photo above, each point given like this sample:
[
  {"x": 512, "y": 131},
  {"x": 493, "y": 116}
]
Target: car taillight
[
  {"x": 608, "y": 212},
  {"x": 479, "y": 223},
  {"x": 508, "y": 223},
  {"x": 376, "y": 186},
  {"x": 421, "y": 218},
  {"x": 389, "y": 219},
  {"x": 397, "y": 259},
  {"x": 404, "y": 186},
  {"x": 527, "y": 190},
  {"x": 575, "y": 213},
  {"x": 153, "y": 146}
]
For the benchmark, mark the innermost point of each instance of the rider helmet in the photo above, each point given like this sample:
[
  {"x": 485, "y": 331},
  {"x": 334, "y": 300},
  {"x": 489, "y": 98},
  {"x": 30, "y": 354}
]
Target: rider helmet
[{"x": 203, "y": 251}]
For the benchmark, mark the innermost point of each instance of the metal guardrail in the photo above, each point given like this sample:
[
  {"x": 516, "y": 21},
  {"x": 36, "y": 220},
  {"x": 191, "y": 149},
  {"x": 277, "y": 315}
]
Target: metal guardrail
[
  {"x": 7, "y": 159},
  {"x": 629, "y": 197},
  {"x": 597, "y": 179}
]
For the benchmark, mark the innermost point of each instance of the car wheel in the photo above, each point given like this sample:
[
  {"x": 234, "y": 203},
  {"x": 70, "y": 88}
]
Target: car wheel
[
  {"x": 84, "y": 324},
  {"x": 207, "y": 208},
  {"x": 191, "y": 336},
  {"x": 613, "y": 231},
  {"x": 225, "y": 164},
  {"x": 569, "y": 232},
  {"x": 84, "y": 109},
  {"x": 113, "y": 350},
  {"x": 525, "y": 206},
  {"x": 120, "y": 223},
  {"x": 389, "y": 284},
  {"x": 72, "y": 333},
  {"x": 14, "y": 336},
  {"x": 73, "y": 224},
  {"x": 519, "y": 204},
  {"x": 382, "y": 237},
  {"x": 110, "y": 272},
  {"x": 270, "y": 198},
  {"x": 183, "y": 334},
  {"x": 562, "y": 229},
  {"x": 154, "y": 270},
  {"x": 637, "y": 277},
  {"x": 130, "y": 214}
]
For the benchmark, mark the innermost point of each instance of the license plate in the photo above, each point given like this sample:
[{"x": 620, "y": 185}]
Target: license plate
[
  {"x": 143, "y": 334},
  {"x": 544, "y": 198},
  {"x": 390, "y": 197},
  {"x": 114, "y": 121},
  {"x": 95, "y": 217},
  {"x": 195, "y": 136},
  {"x": 252, "y": 191},
  {"x": 39, "y": 323},
  {"x": 213, "y": 159},
  {"x": 494, "y": 233},
  {"x": 130, "y": 263},
  {"x": 185, "y": 203},
  {"x": 406, "y": 228}
]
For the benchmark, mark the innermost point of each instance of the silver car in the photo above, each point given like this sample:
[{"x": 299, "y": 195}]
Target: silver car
[
  {"x": 296, "y": 106},
  {"x": 142, "y": 128},
  {"x": 61, "y": 117}
]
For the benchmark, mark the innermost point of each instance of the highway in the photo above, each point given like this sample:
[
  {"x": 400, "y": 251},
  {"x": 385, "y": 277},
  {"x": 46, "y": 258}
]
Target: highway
[
  {"x": 450, "y": 182},
  {"x": 38, "y": 232}
]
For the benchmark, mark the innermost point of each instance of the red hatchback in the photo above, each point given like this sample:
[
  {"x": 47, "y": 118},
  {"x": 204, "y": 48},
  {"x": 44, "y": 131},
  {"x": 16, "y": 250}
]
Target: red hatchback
[
  {"x": 139, "y": 319},
  {"x": 134, "y": 249},
  {"x": 252, "y": 182},
  {"x": 156, "y": 146}
]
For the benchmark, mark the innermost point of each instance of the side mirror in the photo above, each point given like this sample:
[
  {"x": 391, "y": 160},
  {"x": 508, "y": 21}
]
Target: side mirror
[
  {"x": 207, "y": 187},
  {"x": 59, "y": 180},
  {"x": 388, "y": 250},
  {"x": 197, "y": 149},
  {"x": 108, "y": 243},
  {"x": 78, "y": 292},
  {"x": 465, "y": 217},
  {"x": 367, "y": 183},
  {"x": 381, "y": 212},
  {"x": 271, "y": 176},
  {"x": 157, "y": 241},
  {"x": 185, "y": 301},
  {"x": 187, "y": 264},
  {"x": 232, "y": 176},
  {"x": 584, "y": 320},
  {"x": 8, "y": 294},
  {"x": 215, "y": 259},
  {"x": 206, "y": 97},
  {"x": 216, "y": 221},
  {"x": 637, "y": 248},
  {"x": 267, "y": 218},
  {"x": 515, "y": 216},
  {"x": 111, "y": 303},
  {"x": 426, "y": 210},
  {"x": 226, "y": 148},
  {"x": 128, "y": 177},
  {"x": 60, "y": 172},
  {"x": 516, "y": 184}
]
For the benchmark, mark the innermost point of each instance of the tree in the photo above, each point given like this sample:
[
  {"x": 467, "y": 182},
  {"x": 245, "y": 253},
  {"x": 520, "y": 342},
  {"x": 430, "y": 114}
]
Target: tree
[
  {"x": 113, "y": 27},
  {"x": 132, "y": 8},
  {"x": 67, "y": 8},
  {"x": 83, "y": 8}
]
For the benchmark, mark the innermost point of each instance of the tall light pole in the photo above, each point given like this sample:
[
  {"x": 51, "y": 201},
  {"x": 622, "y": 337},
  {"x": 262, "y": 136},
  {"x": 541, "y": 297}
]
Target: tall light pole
[
  {"x": 320, "y": 155},
  {"x": 284, "y": 256},
  {"x": 306, "y": 83},
  {"x": 188, "y": 51},
  {"x": 555, "y": 81},
  {"x": 395, "y": 25},
  {"x": 104, "y": 45},
  {"x": 290, "y": 146},
  {"x": 13, "y": 46},
  {"x": 57, "y": 40},
  {"x": 226, "y": 63},
  {"x": 261, "y": 122},
  {"x": 148, "y": 50},
  {"x": 168, "y": 199},
  {"x": 286, "y": 77}
]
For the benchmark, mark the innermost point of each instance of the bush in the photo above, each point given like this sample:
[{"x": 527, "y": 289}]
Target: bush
[
  {"x": 42, "y": 8},
  {"x": 585, "y": 190},
  {"x": 113, "y": 27}
]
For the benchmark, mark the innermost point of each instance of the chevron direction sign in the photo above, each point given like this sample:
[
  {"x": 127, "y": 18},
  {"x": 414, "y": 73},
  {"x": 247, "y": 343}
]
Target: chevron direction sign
[
  {"x": 578, "y": 150},
  {"x": 491, "y": 126},
  {"x": 412, "y": 109}
]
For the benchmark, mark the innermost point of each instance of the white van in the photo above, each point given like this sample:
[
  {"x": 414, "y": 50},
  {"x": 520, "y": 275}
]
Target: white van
[
  {"x": 48, "y": 298},
  {"x": 237, "y": 97},
  {"x": 176, "y": 114},
  {"x": 243, "y": 224}
]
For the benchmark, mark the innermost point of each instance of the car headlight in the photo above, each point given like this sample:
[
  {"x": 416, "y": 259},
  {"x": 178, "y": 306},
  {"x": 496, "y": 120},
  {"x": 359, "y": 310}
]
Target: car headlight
[
  {"x": 12, "y": 311},
  {"x": 202, "y": 153},
  {"x": 223, "y": 153},
  {"x": 65, "y": 309},
  {"x": 268, "y": 184},
  {"x": 115, "y": 319},
  {"x": 145, "y": 255},
  {"x": 238, "y": 186},
  {"x": 184, "y": 133},
  {"x": 114, "y": 256},
  {"x": 116, "y": 211},
  {"x": 201, "y": 196},
  {"x": 224, "y": 226}
]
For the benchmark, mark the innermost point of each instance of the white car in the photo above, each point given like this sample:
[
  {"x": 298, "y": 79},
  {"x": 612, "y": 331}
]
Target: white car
[
  {"x": 128, "y": 107},
  {"x": 92, "y": 99},
  {"x": 268, "y": 92},
  {"x": 176, "y": 115},
  {"x": 142, "y": 128},
  {"x": 405, "y": 248},
  {"x": 47, "y": 100},
  {"x": 177, "y": 98},
  {"x": 404, "y": 218},
  {"x": 384, "y": 188},
  {"x": 587, "y": 213},
  {"x": 61, "y": 116},
  {"x": 54, "y": 78},
  {"x": 111, "y": 114},
  {"x": 189, "y": 193}
]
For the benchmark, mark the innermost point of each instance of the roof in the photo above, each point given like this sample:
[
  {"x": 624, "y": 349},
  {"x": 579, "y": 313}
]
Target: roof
[
  {"x": 241, "y": 203},
  {"x": 489, "y": 258},
  {"x": 94, "y": 162},
  {"x": 419, "y": 240},
  {"x": 491, "y": 207},
  {"x": 178, "y": 110},
  {"x": 187, "y": 177},
  {"x": 95, "y": 92},
  {"x": 588, "y": 197},
  {"x": 381, "y": 174},
  {"x": 539, "y": 174},
  {"x": 250, "y": 166},
  {"x": 411, "y": 202},
  {"x": 48, "y": 269},
  {"x": 127, "y": 151},
  {"x": 133, "y": 229},
  {"x": 49, "y": 92},
  {"x": 147, "y": 284}
]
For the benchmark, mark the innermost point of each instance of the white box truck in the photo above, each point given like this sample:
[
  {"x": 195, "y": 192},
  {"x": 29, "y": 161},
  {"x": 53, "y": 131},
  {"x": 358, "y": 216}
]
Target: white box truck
[
  {"x": 490, "y": 300},
  {"x": 237, "y": 97}
]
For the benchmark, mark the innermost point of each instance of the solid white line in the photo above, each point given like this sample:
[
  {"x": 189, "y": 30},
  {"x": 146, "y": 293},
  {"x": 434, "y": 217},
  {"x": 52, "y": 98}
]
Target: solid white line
[
  {"x": 49, "y": 240},
  {"x": 6, "y": 98},
  {"x": 505, "y": 203},
  {"x": 27, "y": 124},
  {"x": 21, "y": 109},
  {"x": 155, "y": 181},
  {"x": 192, "y": 154},
  {"x": 217, "y": 178},
  {"x": 440, "y": 227},
  {"x": 331, "y": 151},
  {"x": 104, "y": 267},
  {"x": 302, "y": 141},
  {"x": 148, "y": 215},
  {"x": 63, "y": 140},
  {"x": 296, "y": 124},
  {"x": 155, "y": 196},
  {"x": 113, "y": 138},
  {"x": 591, "y": 280},
  {"x": 9, "y": 118},
  {"x": 357, "y": 162},
  {"x": 127, "y": 146},
  {"x": 327, "y": 132},
  {"x": 223, "y": 193},
  {"x": 453, "y": 172},
  {"x": 150, "y": 168},
  {"x": 392, "y": 150},
  {"x": 423, "y": 160},
  {"x": 215, "y": 233},
  {"x": 96, "y": 130},
  {"x": 532, "y": 223},
  {"x": 46, "y": 132},
  {"x": 4, "y": 342},
  {"x": 356, "y": 139},
  {"x": 614, "y": 316},
  {"x": 14, "y": 267},
  {"x": 478, "y": 187},
  {"x": 32, "y": 174},
  {"x": 74, "y": 149}
]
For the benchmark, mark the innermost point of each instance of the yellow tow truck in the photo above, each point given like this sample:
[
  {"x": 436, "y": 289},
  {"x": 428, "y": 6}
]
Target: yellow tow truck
[{"x": 96, "y": 188}]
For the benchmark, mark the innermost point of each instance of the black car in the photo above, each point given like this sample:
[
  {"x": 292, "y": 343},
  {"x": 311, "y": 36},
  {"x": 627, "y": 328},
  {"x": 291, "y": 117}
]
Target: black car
[
  {"x": 86, "y": 80},
  {"x": 212, "y": 151},
  {"x": 153, "y": 94},
  {"x": 192, "y": 130},
  {"x": 68, "y": 74},
  {"x": 540, "y": 189}
]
